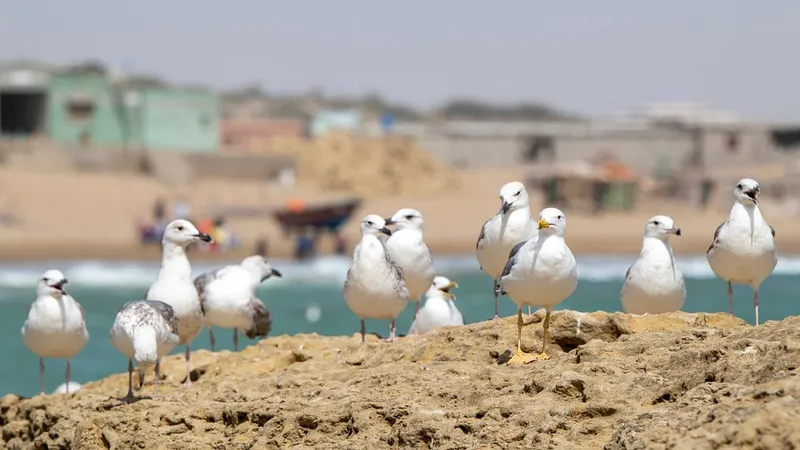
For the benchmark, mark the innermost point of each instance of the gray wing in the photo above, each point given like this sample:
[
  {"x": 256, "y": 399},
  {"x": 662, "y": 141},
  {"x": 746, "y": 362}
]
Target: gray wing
[
  {"x": 772, "y": 230},
  {"x": 716, "y": 237},
  {"x": 397, "y": 275},
  {"x": 512, "y": 258},
  {"x": 166, "y": 312},
  {"x": 201, "y": 282},
  {"x": 262, "y": 319},
  {"x": 625, "y": 282},
  {"x": 482, "y": 235}
]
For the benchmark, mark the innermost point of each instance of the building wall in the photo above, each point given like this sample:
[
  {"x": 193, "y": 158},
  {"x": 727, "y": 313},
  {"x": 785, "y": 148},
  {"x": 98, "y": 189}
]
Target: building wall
[
  {"x": 82, "y": 107},
  {"x": 248, "y": 134},
  {"x": 179, "y": 120}
]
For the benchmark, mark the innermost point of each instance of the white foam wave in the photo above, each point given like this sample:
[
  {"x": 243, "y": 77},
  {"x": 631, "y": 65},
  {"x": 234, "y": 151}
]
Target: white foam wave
[{"x": 323, "y": 271}]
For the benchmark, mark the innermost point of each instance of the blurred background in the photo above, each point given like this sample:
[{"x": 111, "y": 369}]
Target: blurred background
[{"x": 276, "y": 126}]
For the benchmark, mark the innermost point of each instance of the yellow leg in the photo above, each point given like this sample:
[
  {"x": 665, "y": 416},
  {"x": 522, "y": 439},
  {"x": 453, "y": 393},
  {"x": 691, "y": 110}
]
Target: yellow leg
[
  {"x": 520, "y": 357},
  {"x": 543, "y": 355}
]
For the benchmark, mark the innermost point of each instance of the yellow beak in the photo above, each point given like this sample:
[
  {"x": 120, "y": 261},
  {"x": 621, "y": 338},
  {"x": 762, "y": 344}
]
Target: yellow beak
[
  {"x": 452, "y": 285},
  {"x": 543, "y": 224}
]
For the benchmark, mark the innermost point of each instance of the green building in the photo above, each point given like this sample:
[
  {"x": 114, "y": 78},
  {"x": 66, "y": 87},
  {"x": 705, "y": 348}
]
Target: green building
[{"x": 83, "y": 105}]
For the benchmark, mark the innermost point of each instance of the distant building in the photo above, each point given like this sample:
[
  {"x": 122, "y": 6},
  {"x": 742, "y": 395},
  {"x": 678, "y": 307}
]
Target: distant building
[{"x": 84, "y": 105}]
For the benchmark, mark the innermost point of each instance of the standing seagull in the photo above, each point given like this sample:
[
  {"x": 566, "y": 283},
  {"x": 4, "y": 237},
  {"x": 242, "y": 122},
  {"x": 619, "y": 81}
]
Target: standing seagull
[
  {"x": 654, "y": 284},
  {"x": 408, "y": 250},
  {"x": 743, "y": 250},
  {"x": 56, "y": 326},
  {"x": 540, "y": 272},
  {"x": 228, "y": 298},
  {"x": 174, "y": 285},
  {"x": 439, "y": 310},
  {"x": 374, "y": 287},
  {"x": 144, "y": 331},
  {"x": 511, "y": 225}
]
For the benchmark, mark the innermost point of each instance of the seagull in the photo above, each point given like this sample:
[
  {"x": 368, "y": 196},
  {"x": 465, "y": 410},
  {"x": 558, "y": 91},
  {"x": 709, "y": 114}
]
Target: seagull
[
  {"x": 408, "y": 250},
  {"x": 228, "y": 298},
  {"x": 654, "y": 283},
  {"x": 743, "y": 249},
  {"x": 144, "y": 331},
  {"x": 56, "y": 325},
  {"x": 439, "y": 310},
  {"x": 511, "y": 225},
  {"x": 174, "y": 285},
  {"x": 374, "y": 286},
  {"x": 540, "y": 272}
]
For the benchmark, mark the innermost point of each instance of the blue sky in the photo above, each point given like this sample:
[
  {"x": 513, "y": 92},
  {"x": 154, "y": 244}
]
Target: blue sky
[{"x": 590, "y": 57}]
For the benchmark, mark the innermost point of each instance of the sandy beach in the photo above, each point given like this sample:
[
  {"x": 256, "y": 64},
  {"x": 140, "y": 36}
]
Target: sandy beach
[{"x": 94, "y": 216}]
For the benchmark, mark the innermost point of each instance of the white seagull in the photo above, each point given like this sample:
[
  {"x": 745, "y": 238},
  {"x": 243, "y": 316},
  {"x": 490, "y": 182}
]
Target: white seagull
[
  {"x": 439, "y": 310},
  {"x": 55, "y": 326},
  {"x": 228, "y": 298},
  {"x": 174, "y": 285},
  {"x": 374, "y": 286},
  {"x": 511, "y": 225},
  {"x": 540, "y": 272},
  {"x": 408, "y": 250},
  {"x": 743, "y": 250},
  {"x": 144, "y": 331},
  {"x": 654, "y": 283}
]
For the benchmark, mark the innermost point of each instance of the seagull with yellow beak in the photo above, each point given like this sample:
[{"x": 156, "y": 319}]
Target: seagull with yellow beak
[
  {"x": 440, "y": 309},
  {"x": 540, "y": 272}
]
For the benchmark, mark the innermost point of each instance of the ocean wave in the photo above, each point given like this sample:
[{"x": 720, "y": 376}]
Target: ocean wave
[{"x": 322, "y": 271}]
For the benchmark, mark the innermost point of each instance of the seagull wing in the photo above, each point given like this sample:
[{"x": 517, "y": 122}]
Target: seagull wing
[{"x": 715, "y": 240}]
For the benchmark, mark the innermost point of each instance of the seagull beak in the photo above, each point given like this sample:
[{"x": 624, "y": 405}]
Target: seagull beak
[
  {"x": 276, "y": 273},
  {"x": 506, "y": 206},
  {"x": 544, "y": 224},
  {"x": 676, "y": 231},
  {"x": 449, "y": 296},
  {"x": 389, "y": 221},
  {"x": 751, "y": 194},
  {"x": 203, "y": 237},
  {"x": 452, "y": 285},
  {"x": 386, "y": 231},
  {"x": 59, "y": 285}
]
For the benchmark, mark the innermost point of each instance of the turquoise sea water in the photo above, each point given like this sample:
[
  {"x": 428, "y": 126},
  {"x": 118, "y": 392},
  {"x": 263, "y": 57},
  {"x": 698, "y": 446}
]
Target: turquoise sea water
[{"x": 308, "y": 299}]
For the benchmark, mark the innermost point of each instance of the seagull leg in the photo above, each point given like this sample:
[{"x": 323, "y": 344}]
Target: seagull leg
[
  {"x": 156, "y": 380},
  {"x": 363, "y": 331},
  {"x": 416, "y": 311},
  {"x": 520, "y": 357},
  {"x": 543, "y": 355},
  {"x": 755, "y": 303},
  {"x": 129, "y": 398},
  {"x": 235, "y": 340},
  {"x": 66, "y": 377},
  {"x": 730, "y": 298},
  {"x": 392, "y": 337},
  {"x": 529, "y": 310},
  {"x": 211, "y": 338},
  {"x": 188, "y": 367},
  {"x": 41, "y": 376},
  {"x": 496, "y": 291}
]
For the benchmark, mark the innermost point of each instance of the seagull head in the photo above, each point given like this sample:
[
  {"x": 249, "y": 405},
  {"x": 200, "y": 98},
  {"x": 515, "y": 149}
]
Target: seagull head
[
  {"x": 182, "y": 233},
  {"x": 52, "y": 284},
  {"x": 661, "y": 227},
  {"x": 373, "y": 224},
  {"x": 258, "y": 264},
  {"x": 746, "y": 191},
  {"x": 441, "y": 288},
  {"x": 406, "y": 218},
  {"x": 552, "y": 221},
  {"x": 513, "y": 196}
]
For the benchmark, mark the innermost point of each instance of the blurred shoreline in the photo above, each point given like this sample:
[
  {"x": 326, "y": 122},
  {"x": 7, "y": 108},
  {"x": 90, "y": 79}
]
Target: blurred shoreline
[{"x": 582, "y": 242}]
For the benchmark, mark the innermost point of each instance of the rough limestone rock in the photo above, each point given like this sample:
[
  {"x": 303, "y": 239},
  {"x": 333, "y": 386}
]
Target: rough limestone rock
[{"x": 615, "y": 381}]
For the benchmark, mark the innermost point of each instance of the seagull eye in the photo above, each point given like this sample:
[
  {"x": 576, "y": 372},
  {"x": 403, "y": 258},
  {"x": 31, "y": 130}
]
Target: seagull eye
[
  {"x": 370, "y": 223},
  {"x": 519, "y": 192},
  {"x": 560, "y": 217},
  {"x": 180, "y": 228},
  {"x": 409, "y": 217},
  {"x": 656, "y": 223},
  {"x": 739, "y": 186}
]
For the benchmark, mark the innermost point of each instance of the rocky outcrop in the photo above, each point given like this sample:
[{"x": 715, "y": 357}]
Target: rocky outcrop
[{"x": 615, "y": 381}]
